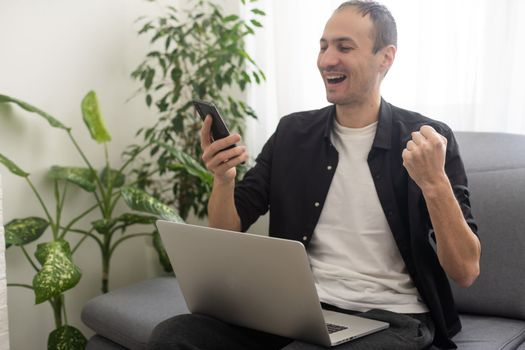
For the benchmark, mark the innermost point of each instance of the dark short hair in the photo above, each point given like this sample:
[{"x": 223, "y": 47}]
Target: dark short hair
[{"x": 384, "y": 23}]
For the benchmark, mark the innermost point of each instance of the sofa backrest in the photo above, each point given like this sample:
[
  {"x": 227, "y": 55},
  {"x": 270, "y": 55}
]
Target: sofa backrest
[{"x": 495, "y": 165}]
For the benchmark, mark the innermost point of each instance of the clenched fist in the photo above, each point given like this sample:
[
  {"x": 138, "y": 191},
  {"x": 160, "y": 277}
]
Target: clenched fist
[{"x": 424, "y": 157}]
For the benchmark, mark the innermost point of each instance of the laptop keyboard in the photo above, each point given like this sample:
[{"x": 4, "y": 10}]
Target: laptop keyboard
[{"x": 332, "y": 328}]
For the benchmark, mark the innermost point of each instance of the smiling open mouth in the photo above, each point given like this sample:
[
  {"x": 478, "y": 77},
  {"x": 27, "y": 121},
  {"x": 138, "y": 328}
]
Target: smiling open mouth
[{"x": 335, "y": 79}]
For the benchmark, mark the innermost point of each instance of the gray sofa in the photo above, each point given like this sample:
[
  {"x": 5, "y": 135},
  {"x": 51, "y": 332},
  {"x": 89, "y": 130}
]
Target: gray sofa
[{"x": 492, "y": 310}]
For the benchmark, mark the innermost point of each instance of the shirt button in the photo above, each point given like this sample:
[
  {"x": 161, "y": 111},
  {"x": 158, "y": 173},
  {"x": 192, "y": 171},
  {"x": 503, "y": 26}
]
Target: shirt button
[
  {"x": 316, "y": 204},
  {"x": 329, "y": 167},
  {"x": 378, "y": 176},
  {"x": 305, "y": 238}
]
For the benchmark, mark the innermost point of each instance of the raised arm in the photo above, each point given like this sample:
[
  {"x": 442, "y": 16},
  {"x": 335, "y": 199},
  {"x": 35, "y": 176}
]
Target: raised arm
[
  {"x": 458, "y": 248},
  {"x": 221, "y": 206}
]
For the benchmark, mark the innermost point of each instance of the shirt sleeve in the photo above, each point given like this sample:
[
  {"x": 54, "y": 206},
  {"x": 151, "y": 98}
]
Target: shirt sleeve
[
  {"x": 252, "y": 193},
  {"x": 458, "y": 178}
]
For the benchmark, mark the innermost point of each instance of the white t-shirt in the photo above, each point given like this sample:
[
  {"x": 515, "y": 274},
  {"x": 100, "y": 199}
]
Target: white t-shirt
[{"x": 353, "y": 255}]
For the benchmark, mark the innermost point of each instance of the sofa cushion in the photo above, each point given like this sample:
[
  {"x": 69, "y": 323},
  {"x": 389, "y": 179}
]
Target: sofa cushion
[
  {"x": 490, "y": 333},
  {"x": 495, "y": 165},
  {"x": 128, "y": 315},
  {"x": 491, "y": 150},
  {"x": 97, "y": 342}
]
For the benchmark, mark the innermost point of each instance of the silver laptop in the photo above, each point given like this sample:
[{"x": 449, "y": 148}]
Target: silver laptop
[{"x": 256, "y": 282}]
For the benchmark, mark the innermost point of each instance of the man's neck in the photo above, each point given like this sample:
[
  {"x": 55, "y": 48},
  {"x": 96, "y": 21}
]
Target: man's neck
[{"x": 358, "y": 116}]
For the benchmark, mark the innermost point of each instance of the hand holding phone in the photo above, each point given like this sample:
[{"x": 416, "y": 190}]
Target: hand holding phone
[{"x": 219, "y": 130}]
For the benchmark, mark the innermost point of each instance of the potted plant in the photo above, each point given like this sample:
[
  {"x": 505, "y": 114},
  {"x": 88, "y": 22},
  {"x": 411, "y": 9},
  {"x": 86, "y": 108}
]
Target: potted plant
[
  {"x": 55, "y": 270},
  {"x": 197, "y": 53}
]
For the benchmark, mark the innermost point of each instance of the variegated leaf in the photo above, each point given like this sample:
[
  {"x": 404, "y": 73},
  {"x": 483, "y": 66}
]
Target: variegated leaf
[
  {"x": 189, "y": 164},
  {"x": 44, "y": 249},
  {"x": 82, "y": 177},
  {"x": 66, "y": 338},
  {"x": 58, "y": 272},
  {"x": 24, "y": 105},
  {"x": 20, "y": 232},
  {"x": 12, "y": 167},
  {"x": 93, "y": 118},
  {"x": 132, "y": 219},
  {"x": 116, "y": 177},
  {"x": 139, "y": 200}
]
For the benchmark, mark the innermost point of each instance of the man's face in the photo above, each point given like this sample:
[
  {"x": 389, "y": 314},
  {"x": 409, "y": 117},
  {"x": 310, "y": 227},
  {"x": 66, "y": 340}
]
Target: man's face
[{"x": 350, "y": 71}]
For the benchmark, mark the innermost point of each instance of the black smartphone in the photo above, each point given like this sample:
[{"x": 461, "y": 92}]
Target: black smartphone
[{"x": 219, "y": 130}]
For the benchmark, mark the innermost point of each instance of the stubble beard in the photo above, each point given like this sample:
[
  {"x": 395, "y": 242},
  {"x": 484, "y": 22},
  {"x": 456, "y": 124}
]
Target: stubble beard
[{"x": 352, "y": 98}]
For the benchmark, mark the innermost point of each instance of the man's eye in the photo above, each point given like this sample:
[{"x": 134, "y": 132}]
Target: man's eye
[
  {"x": 322, "y": 49},
  {"x": 346, "y": 49}
]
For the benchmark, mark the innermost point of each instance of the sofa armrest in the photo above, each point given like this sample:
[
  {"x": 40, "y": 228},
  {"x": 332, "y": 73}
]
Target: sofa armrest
[{"x": 128, "y": 315}]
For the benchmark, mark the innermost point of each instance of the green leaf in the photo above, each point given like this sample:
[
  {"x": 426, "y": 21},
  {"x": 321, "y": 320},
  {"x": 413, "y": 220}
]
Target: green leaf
[
  {"x": 139, "y": 200},
  {"x": 256, "y": 23},
  {"x": 82, "y": 177},
  {"x": 12, "y": 167},
  {"x": 261, "y": 73},
  {"x": 242, "y": 84},
  {"x": 149, "y": 78},
  {"x": 24, "y": 105},
  {"x": 115, "y": 177},
  {"x": 259, "y": 12},
  {"x": 245, "y": 54},
  {"x": 58, "y": 272},
  {"x": 93, "y": 118},
  {"x": 103, "y": 226},
  {"x": 178, "y": 123},
  {"x": 230, "y": 18},
  {"x": 162, "y": 105},
  {"x": 133, "y": 219},
  {"x": 246, "y": 77},
  {"x": 176, "y": 74},
  {"x": 66, "y": 338},
  {"x": 249, "y": 30},
  {"x": 256, "y": 76},
  {"x": 154, "y": 150},
  {"x": 145, "y": 28},
  {"x": 20, "y": 232},
  {"x": 161, "y": 251},
  {"x": 189, "y": 164}
]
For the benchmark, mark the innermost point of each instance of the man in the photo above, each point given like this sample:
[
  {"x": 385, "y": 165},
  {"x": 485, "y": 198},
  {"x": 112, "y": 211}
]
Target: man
[{"x": 377, "y": 194}]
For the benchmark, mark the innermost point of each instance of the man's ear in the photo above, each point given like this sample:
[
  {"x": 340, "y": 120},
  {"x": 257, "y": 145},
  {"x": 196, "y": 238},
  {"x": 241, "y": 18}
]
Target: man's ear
[{"x": 388, "y": 54}]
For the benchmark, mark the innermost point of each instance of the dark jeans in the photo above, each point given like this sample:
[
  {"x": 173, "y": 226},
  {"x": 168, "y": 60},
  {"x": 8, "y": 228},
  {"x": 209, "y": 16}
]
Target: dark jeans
[{"x": 194, "y": 331}]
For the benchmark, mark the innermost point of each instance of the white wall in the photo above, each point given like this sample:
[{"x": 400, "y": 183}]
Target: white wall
[
  {"x": 4, "y": 326},
  {"x": 51, "y": 53}
]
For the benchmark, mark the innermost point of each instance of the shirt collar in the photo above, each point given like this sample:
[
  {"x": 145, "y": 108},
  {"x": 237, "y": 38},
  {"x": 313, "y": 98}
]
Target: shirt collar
[
  {"x": 330, "y": 118},
  {"x": 383, "y": 135}
]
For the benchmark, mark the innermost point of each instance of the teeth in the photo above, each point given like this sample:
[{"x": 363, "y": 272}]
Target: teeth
[{"x": 335, "y": 76}]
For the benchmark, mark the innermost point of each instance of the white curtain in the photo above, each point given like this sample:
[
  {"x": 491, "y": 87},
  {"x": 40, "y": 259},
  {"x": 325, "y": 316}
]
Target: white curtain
[{"x": 458, "y": 61}]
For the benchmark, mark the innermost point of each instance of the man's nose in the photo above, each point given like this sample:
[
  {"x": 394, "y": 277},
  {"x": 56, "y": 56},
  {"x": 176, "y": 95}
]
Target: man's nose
[{"x": 328, "y": 58}]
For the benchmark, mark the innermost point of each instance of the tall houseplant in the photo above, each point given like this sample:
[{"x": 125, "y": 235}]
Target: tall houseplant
[
  {"x": 55, "y": 270},
  {"x": 197, "y": 53}
]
